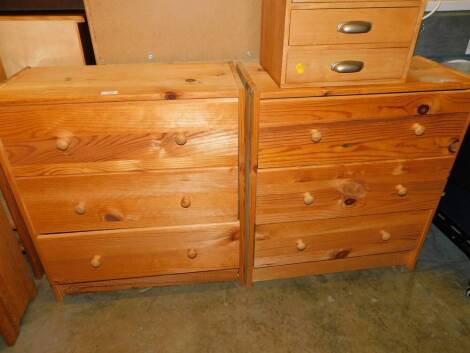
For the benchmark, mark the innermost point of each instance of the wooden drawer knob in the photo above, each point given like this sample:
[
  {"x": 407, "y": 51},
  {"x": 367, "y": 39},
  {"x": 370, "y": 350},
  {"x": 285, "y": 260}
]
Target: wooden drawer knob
[
  {"x": 423, "y": 109},
  {"x": 308, "y": 199},
  {"x": 185, "y": 202},
  {"x": 62, "y": 143},
  {"x": 301, "y": 246},
  {"x": 96, "y": 261},
  {"x": 113, "y": 215},
  {"x": 80, "y": 208},
  {"x": 419, "y": 129},
  {"x": 192, "y": 253},
  {"x": 316, "y": 136},
  {"x": 180, "y": 139},
  {"x": 402, "y": 190},
  {"x": 386, "y": 236},
  {"x": 454, "y": 146}
]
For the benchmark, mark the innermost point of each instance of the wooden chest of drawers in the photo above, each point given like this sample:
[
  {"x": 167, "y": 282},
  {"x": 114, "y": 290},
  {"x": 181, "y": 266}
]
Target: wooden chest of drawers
[
  {"x": 338, "y": 42},
  {"x": 128, "y": 176},
  {"x": 346, "y": 178}
]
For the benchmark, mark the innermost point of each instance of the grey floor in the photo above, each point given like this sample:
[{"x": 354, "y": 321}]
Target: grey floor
[{"x": 389, "y": 310}]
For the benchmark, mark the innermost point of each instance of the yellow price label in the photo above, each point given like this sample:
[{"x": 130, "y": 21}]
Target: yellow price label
[{"x": 300, "y": 68}]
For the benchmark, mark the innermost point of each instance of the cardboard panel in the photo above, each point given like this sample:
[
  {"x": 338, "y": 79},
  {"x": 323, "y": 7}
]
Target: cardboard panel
[
  {"x": 39, "y": 41},
  {"x": 174, "y": 30}
]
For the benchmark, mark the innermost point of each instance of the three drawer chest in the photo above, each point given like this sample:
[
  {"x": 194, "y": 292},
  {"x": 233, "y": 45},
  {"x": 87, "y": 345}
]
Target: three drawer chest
[
  {"x": 128, "y": 175},
  {"x": 345, "y": 178}
]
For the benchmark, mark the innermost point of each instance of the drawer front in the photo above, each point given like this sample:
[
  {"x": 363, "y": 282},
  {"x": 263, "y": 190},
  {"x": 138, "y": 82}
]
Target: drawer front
[
  {"x": 315, "y": 143},
  {"x": 104, "y": 255},
  {"x": 94, "y": 202},
  {"x": 116, "y": 137},
  {"x": 330, "y": 239},
  {"x": 390, "y": 26},
  {"x": 302, "y": 194},
  {"x": 345, "y": 66}
]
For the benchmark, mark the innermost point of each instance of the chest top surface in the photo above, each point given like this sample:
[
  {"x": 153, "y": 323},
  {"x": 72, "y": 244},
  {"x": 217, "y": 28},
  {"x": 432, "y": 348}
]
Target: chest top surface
[
  {"x": 424, "y": 75},
  {"x": 121, "y": 83}
]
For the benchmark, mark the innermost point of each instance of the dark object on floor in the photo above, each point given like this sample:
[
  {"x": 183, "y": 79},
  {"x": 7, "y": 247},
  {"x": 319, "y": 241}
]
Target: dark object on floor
[
  {"x": 17, "y": 288},
  {"x": 453, "y": 214}
]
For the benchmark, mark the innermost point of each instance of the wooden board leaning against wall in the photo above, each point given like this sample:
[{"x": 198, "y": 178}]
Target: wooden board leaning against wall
[
  {"x": 157, "y": 30},
  {"x": 16, "y": 285},
  {"x": 39, "y": 41}
]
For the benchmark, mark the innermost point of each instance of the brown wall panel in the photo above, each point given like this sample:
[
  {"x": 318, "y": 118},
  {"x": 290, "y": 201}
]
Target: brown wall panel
[{"x": 174, "y": 30}]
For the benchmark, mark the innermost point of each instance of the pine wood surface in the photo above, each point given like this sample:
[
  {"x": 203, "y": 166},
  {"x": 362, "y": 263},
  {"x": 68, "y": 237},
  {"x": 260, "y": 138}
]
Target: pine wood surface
[
  {"x": 140, "y": 252},
  {"x": 17, "y": 287}
]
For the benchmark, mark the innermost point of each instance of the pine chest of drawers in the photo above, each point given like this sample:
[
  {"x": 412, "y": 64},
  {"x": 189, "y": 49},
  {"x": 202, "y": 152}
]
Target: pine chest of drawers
[
  {"x": 128, "y": 175},
  {"x": 339, "y": 42},
  {"x": 347, "y": 178}
]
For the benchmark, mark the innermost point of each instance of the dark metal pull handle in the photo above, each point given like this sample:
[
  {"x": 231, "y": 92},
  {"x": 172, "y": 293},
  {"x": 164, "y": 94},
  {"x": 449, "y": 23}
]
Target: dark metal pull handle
[
  {"x": 347, "y": 67},
  {"x": 355, "y": 27}
]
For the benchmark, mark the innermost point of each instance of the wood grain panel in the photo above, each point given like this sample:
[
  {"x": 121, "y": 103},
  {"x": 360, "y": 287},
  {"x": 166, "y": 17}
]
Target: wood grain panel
[
  {"x": 360, "y": 141},
  {"x": 146, "y": 282},
  {"x": 274, "y": 36},
  {"x": 329, "y": 239},
  {"x": 120, "y": 136},
  {"x": 120, "y": 83},
  {"x": 293, "y": 111},
  {"x": 17, "y": 287},
  {"x": 111, "y": 201},
  {"x": 379, "y": 65},
  {"x": 140, "y": 252},
  {"x": 349, "y": 190},
  {"x": 391, "y": 26},
  {"x": 331, "y": 266}
]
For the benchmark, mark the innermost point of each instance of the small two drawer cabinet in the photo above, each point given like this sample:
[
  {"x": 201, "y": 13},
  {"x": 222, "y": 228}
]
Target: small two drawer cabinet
[
  {"x": 347, "y": 178},
  {"x": 339, "y": 42},
  {"x": 128, "y": 175}
]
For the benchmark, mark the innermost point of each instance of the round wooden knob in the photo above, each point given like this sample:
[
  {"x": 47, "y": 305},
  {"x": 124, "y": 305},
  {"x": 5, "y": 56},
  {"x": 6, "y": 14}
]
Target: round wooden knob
[
  {"x": 192, "y": 253},
  {"x": 80, "y": 208},
  {"x": 113, "y": 215},
  {"x": 62, "y": 144},
  {"x": 385, "y": 235},
  {"x": 180, "y": 139},
  {"x": 316, "y": 136},
  {"x": 423, "y": 109},
  {"x": 185, "y": 202},
  {"x": 308, "y": 198},
  {"x": 419, "y": 129},
  {"x": 96, "y": 261},
  {"x": 402, "y": 190},
  {"x": 301, "y": 245},
  {"x": 454, "y": 146}
]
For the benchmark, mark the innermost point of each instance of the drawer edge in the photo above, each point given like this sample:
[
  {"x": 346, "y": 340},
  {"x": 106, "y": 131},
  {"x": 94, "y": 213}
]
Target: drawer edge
[{"x": 330, "y": 266}]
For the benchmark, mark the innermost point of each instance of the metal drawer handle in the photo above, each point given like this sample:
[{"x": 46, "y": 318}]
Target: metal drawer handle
[
  {"x": 355, "y": 27},
  {"x": 347, "y": 67}
]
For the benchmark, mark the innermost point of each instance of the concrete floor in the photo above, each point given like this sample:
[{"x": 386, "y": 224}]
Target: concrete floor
[{"x": 374, "y": 311}]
